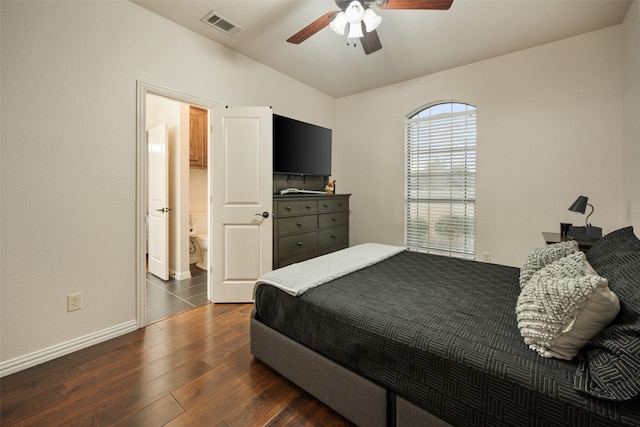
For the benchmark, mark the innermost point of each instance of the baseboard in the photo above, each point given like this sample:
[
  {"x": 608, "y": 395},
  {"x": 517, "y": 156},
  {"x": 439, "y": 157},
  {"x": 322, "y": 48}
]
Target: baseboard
[
  {"x": 180, "y": 276},
  {"x": 29, "y": 360}
]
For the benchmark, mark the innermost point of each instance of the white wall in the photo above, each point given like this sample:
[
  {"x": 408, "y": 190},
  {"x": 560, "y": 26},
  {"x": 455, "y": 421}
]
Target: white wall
[
  {"x": 549, "y": 130},
  {"x": 198, "y": 190},
  {"x": 68, "y": 175},
  {"x": 630, "y": 209}
]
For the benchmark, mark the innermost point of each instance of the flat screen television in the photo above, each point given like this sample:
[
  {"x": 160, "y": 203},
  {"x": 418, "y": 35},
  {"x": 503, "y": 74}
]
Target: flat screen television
[{"x": 300, "y": 148}]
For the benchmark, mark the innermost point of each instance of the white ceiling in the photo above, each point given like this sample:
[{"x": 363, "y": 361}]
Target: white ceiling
[{"x": 414, "y": 43}]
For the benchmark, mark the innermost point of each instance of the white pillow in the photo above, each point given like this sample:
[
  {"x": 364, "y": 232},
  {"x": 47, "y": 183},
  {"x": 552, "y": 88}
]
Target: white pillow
[
  {"x": 541, "y": 257},
  {"x": 563, "y": 306}
]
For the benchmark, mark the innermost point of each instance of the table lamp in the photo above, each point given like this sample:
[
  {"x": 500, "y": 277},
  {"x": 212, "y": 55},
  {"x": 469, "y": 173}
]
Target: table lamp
[{"x": 588, "y": 231}]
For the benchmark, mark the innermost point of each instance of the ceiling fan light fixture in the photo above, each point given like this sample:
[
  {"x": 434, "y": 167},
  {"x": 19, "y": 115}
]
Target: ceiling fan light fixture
[
  {"x": 355, "y": 31},
  {"x": 339, "y": 23},
  {"x": 354, "y": 12},
  {"x": 371, "y": 20},
  {"x": 358, "y": 12}
]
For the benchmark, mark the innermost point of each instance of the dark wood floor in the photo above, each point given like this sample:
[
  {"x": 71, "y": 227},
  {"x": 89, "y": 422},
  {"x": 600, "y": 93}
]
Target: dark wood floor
[{"x": 194, "y": 368}]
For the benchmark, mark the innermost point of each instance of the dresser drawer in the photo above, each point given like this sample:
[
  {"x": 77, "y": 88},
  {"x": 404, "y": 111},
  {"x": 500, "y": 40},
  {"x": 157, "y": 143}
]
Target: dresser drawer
[
  {"x": 283, "y": 262},
  {"x": 298, "y": 244},
  {"x": 338, "y": 236},
  {"x": 333, "y": 219},
  {"x": 297, "y": 207},
  {"x": 297, "y": 224},
  {"x": 331, "y": 204}
]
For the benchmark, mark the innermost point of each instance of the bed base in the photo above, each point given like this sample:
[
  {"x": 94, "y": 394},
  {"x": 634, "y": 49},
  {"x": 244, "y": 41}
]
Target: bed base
[{"x": 361, "y": 401}]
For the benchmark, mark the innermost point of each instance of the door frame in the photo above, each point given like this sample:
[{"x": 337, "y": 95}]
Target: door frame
[{"x": 142, "y": 89}]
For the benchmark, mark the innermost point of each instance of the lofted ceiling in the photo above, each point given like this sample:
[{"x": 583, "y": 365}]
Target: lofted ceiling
[{"x": 414, "y": 42}]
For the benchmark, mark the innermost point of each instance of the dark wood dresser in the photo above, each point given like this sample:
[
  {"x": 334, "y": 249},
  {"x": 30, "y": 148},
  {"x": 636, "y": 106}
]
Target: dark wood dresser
[{"x": 306, "y": 226}]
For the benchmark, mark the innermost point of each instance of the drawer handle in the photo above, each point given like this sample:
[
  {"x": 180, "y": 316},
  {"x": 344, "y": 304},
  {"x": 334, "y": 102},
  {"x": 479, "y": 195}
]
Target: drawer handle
[
  {"x": 299, "y": 244},
  {"x": 333, "y": 236},
  {"x": 325, "y": 205},
  {"x": 333, "y": 219},
  {"x": 340, "y": 204},
  {"x": 288, "y": 208},
  {"x": 299, "y": 224},
  {"x": 308, "y": 206}
]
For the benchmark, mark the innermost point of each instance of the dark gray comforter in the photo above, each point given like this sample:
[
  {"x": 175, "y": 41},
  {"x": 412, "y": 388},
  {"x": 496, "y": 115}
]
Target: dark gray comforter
[{"x": 440, "y": 332}]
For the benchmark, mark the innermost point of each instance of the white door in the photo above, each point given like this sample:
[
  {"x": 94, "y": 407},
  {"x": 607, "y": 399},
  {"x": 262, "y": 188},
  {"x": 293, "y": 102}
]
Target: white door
[
  {"x": 241, "y": 224},
  {"x": 158, "y": 194}
]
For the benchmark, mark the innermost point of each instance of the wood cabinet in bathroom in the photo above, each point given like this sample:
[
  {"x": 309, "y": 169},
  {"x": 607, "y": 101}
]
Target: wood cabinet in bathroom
[{"x": 197, "y": 137}]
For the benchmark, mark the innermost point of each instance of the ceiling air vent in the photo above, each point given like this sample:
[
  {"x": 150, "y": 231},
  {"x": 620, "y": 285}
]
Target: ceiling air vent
[{"x": 223, "y": 24}]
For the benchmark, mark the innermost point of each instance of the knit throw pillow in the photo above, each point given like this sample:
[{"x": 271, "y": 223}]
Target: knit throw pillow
[
  {"x": 563, "y": 305},
  {"x": 541, "y": 257}
]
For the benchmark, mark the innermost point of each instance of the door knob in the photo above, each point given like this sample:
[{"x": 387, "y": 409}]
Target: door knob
[
  {"x": 163, "y": 210},
  {"x": 264, "y": 214}
]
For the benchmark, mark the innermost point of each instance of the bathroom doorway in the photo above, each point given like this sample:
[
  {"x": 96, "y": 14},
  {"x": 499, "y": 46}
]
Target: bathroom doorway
[{"x": 188, "y": 191}]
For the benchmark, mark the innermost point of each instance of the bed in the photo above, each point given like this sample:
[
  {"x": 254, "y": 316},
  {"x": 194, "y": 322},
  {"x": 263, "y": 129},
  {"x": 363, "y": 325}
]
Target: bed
[{"x": 416, "y": 339}]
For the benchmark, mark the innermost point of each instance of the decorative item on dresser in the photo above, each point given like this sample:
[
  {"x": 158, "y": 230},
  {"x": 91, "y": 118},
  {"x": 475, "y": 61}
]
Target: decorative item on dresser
[{"x": 306, "y": 226}]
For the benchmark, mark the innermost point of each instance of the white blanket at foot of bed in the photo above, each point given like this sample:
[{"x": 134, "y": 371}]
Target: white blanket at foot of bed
[{"x": 296, "y": 279}]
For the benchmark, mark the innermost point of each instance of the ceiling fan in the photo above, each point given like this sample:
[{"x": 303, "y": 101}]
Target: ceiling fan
[{"x": 362, "y": 20}]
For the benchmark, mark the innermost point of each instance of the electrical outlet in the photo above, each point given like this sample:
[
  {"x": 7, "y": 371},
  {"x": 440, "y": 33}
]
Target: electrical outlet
[{"x": 74, "y": 302}]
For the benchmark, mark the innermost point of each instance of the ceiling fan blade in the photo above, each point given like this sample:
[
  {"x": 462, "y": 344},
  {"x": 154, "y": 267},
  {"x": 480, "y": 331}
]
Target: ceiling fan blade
[
  {"x": 370, "y": 42},
  {"x": 312, "y": 28},
  {"x": 417, "y": 4}
]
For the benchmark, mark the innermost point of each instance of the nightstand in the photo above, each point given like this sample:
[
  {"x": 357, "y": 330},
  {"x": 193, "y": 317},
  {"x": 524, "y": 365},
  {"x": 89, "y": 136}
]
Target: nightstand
[{"x": 583, "y": 245}]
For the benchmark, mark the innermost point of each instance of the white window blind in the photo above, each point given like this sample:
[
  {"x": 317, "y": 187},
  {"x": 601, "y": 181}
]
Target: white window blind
[{"x": 440, "y": 180}]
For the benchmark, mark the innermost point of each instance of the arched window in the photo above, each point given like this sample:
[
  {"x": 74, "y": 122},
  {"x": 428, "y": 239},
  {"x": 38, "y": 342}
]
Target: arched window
[{"x": 441, "y": 179}]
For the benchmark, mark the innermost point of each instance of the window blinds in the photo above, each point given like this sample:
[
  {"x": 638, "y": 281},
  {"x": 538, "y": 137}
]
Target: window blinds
[{"x": 440, "y": 181}]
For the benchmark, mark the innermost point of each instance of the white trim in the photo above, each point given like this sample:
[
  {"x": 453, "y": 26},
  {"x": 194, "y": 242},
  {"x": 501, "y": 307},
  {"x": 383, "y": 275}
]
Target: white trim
[
  {"x": 141, "y": 194},
  {"x": 180, "y": 276},
  {"x": 58, "y": 350}
]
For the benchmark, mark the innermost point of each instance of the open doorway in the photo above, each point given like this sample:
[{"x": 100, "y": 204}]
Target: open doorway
[
  {"x": 239, "y": 198},
  {"x": 177, "y": 208},
  {"x": 182, "y": 285}
]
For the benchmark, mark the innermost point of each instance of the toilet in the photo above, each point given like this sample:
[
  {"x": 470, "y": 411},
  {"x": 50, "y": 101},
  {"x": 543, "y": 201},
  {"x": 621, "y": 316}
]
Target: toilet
[
  {"x": 198, "y": 222},
  {"x": 195, "y": 252}
]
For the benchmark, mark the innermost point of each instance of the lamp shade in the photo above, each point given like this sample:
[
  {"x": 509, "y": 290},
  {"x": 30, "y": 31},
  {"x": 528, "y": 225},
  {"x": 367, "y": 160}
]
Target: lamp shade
[
  {"x": 354, "y": 12},
  {"x": 371, "y": 20},
  {"x": 339, "y": 23},
  {"x": 355, "y": 31},
  {"x": 580, "y": 205}
]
